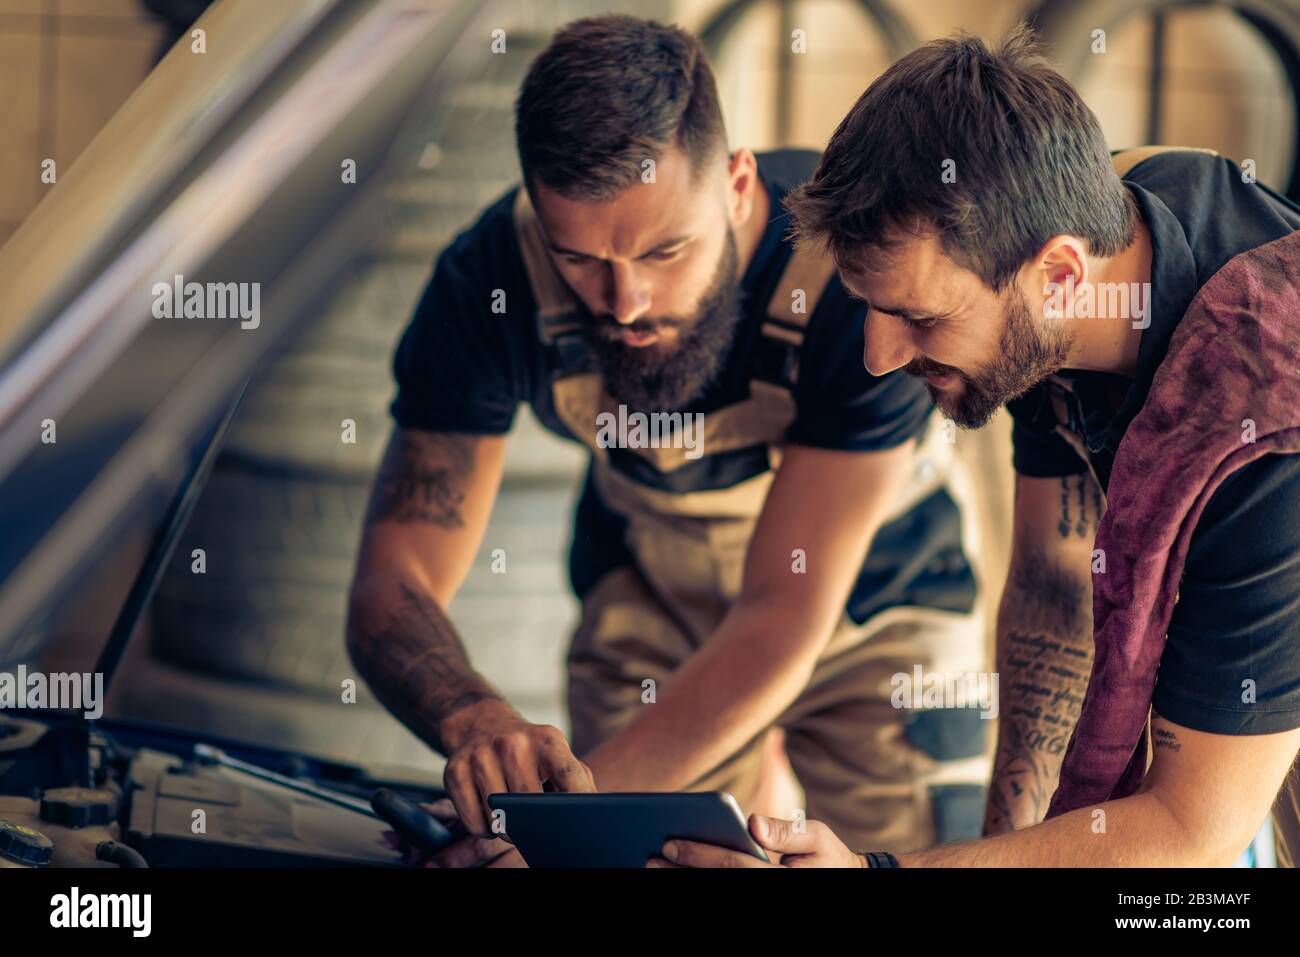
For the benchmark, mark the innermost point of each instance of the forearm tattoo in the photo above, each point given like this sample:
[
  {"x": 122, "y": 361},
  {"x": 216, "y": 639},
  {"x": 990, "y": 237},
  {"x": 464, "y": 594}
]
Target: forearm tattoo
[
  {"x": 417, "y": 665},
  {"x": 423, "y": 479},
  {"x": 1044, "y": 660}
]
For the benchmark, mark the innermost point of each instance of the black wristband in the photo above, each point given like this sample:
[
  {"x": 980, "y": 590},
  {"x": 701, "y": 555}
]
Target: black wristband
[{"x": 881, "y": 859}]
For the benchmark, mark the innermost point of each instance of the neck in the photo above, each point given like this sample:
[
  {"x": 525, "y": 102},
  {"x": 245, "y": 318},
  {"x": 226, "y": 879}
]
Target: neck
[{"x": 1106, "y": 338}]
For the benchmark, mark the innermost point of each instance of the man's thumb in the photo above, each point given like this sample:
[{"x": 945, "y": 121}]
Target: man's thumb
[{"x": 776, "y": 834}]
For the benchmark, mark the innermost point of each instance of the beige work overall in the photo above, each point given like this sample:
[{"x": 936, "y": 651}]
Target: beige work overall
[{"x": 855, "y": 755}]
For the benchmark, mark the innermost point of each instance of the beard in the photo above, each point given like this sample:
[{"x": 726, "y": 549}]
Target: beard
[
  {"x": 659, "y": 379},
  {"x": 1030, "y": 352}
]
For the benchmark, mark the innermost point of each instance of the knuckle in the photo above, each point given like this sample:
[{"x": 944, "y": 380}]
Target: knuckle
[
  {"x": 481, "y": 761},
  {"x": 454, "y": 773},
  {"x": 572, "y": 769},
  {"x": 515, "y": 745},
  {"x": 553, "y": 736}
]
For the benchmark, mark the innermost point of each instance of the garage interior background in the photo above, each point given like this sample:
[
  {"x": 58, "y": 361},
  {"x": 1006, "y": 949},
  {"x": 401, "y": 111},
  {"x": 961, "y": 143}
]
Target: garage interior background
[{"x": 254, "y": 650}]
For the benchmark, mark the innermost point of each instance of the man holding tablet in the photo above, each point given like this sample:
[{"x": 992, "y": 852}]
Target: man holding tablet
[
  {"x": 1146, "y": 332},
  {"x": 767, "y": 534}
]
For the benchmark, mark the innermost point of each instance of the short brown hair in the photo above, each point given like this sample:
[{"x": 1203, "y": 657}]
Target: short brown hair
[
  {"x": 1029, "y": 162},
  {"x": 607, "y": 94}
]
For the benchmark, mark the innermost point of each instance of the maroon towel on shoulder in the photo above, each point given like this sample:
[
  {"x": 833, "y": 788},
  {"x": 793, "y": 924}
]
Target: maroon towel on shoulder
[{"x": 1235, "y": 356}]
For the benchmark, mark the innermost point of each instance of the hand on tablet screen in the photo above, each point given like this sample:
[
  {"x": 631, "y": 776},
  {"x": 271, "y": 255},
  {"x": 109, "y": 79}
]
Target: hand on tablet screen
[{"x": 500, "y": 752}]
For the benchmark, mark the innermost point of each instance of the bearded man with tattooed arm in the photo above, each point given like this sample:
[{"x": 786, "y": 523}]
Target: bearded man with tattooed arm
[{"x": 1136, "y": 313}]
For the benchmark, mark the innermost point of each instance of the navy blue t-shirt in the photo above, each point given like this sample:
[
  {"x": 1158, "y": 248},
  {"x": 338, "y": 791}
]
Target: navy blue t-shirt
[
  {"x": 1238, "y": 614},
  {"x": 460, "y": 367}
]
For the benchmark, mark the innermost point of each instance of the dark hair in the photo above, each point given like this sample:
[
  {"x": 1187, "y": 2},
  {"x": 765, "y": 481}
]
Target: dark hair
[
  {"x": 1030, "y": 162},
  {"x": 607, "y": 94}
]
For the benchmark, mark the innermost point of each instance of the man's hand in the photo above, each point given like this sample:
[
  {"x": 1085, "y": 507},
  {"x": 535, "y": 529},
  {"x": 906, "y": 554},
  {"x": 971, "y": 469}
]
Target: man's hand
[
  {"x": 813, "y": 845},
  {"x": 471, "y": 851},
  {"x": 496, "y": 750},
  {"x": 466, "y": 852}
]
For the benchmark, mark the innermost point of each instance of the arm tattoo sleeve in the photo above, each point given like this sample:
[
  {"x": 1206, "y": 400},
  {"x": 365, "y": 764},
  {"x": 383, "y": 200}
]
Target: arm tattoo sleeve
[
  {"x": 417, "y": 665},
  {"x": 1044, "y": 661},
  {"x": 423, "y": 478},
  {"x": 405, "y": 646}
]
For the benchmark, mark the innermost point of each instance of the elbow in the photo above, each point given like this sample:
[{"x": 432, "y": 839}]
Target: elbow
[
  {"x": 1221, "y": 849},
  {"x": 792, "y": 637},
  {"x": 1211, "y": 837},
  {"x": 373, "y": 599},
  {"x": 363, "y": 619},
  {"x": 1226, "y": 841}
]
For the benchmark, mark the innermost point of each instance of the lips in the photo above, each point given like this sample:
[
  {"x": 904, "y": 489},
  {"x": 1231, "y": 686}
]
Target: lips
[{"x": 638, "y": 340}]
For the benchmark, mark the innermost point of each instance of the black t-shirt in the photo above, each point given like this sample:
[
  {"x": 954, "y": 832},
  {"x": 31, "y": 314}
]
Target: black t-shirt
[
  {"x": 1237, "y": 619},
  {"x": 461, "y": 367}
]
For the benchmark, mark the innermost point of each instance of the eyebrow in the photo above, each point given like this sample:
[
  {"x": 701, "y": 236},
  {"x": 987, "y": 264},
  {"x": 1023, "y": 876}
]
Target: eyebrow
[
  {"x": 910, "y": 314},
  {"x": 666, "y": 244}
]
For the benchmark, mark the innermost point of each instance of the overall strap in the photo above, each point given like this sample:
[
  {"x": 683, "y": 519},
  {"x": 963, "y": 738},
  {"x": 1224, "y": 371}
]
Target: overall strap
[
  {"x": 558, "y": 309},
  {"x": 793, "y": 301}
]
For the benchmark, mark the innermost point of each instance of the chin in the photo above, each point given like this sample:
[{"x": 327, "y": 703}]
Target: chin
[
  {"x": 957, "y": 408},
  {"x": 659, "y": 352},
  {"x": 970, "y": 420},
  {"x": 949, "y": 403}
]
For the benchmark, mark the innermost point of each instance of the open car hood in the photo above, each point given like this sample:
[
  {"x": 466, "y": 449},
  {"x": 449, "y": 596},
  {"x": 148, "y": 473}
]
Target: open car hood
[{"x": 223, "y": 167}]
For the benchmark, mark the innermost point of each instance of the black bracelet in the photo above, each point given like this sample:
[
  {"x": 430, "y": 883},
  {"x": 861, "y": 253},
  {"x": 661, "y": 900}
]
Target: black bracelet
[{"x": 881, "y": 859}]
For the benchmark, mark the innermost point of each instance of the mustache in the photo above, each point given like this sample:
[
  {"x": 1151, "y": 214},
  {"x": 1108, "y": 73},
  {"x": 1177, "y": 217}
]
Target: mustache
[
  {"x": 610, "y": 329},
  {"x": 922, "y": 367}
]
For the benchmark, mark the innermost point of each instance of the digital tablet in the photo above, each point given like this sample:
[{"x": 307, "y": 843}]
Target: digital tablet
[{"x": 618, "y": 829}]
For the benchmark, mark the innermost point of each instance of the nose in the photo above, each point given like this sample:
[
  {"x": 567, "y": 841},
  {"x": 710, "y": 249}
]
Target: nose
[
  {"x": 885, "y": 343},
  {"x": 628, "y": 295}
]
